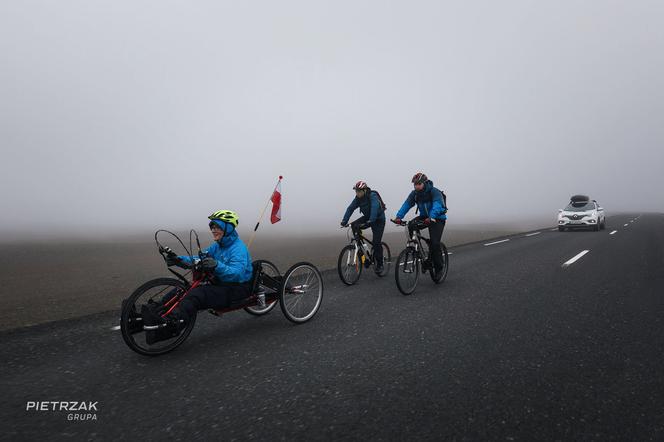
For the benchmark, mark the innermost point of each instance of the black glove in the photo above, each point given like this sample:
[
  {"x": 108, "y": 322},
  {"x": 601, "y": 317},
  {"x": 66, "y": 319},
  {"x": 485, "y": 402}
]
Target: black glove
[
  {"x": 172, "y": 259},
  {"x": 343, "y": 224},
  {"x": 208, "y": 264}
]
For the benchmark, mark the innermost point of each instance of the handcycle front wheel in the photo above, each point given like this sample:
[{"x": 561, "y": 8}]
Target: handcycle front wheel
[
  {"x": 407, "y": 270},
  {"x": 349, "y": 265},
  {"x": 301, "y": 292},
  {"x": 268, "y": 274},
  {"x": 131, "y": 320},
  {"x": 446, "y": 266}
]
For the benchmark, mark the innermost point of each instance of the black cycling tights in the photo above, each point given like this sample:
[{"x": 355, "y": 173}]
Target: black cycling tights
[
  {"x": 435, "y": 234},
  {"x": 211, "y": 296}
]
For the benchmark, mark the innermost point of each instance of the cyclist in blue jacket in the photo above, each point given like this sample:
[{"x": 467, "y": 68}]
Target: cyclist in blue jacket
[
  {"x": 373, "y": 215},
  {"x": 431, "y": 205},
  {"x": 228, "y": 259}
]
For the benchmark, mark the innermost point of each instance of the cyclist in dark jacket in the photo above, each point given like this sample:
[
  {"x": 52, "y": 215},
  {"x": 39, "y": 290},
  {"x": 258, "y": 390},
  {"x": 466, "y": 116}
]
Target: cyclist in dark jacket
[
  {"x": 431, "y": 206},
  {"x": 373, "y": 215}
]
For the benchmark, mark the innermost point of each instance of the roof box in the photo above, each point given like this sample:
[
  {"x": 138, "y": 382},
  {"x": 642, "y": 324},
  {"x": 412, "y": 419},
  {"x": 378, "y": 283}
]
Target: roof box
[{"x": 579, "y": 198}]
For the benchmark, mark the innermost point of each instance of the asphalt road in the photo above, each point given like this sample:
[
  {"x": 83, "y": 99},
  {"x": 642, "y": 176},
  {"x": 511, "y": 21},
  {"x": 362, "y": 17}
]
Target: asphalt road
[{"x": 515, "y": 345}]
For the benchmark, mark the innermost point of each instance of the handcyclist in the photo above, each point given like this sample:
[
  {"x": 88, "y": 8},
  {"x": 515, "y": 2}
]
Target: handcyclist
[
  {"x": 432, "y": 209},
  {"x": 373, "y": 215},
  {"x": 227, "y": 259}
]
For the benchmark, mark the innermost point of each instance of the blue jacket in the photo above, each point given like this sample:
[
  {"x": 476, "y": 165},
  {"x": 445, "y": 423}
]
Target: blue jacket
[
  {"x": 429, "y": 202},
  {"x": 233, "y": 259},
  {"x": 369, "y": 206}
]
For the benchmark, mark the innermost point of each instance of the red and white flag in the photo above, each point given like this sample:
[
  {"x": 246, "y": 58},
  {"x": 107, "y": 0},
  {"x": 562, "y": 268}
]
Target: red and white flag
[{"x": 275, "y": 217}]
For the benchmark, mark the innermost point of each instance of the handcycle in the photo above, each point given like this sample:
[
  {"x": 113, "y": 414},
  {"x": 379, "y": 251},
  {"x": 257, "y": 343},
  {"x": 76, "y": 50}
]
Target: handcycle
[
  {"x": 359, "y": 254},
  {"x": 299, "y": 292},
  {"x": 416, "y": 258}
]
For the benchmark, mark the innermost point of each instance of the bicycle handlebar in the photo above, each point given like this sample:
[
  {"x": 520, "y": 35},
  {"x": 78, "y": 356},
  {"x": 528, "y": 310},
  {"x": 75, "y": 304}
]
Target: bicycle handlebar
[
  {"x": 361, "y": 227},
  {"x": 414, "y": 222}
]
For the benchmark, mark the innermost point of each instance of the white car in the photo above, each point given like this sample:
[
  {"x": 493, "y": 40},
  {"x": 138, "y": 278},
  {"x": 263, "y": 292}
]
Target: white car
[{"x": 581, "y": 212}]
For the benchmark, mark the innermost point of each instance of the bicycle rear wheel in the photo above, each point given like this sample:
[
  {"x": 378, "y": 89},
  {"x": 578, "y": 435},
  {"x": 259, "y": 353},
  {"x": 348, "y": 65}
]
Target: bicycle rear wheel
[
  {"x": 349, "y": 265},
  {"x": 153, "y": 294},
  {"x": 387, "y": 258},
  {"x": 301, "y": 292},
  {"x": 407, "y": 270},
  {"x": 445, "y": 258}
]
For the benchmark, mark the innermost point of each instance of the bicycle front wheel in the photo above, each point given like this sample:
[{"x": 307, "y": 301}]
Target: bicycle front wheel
[
  {"x": 407, "y": 270},
  {"x": 349, "y": 265}
]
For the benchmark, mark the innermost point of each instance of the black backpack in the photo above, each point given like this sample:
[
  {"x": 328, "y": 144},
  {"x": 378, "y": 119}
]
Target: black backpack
[
  {"x": 382, "y": 204},
  {"x": 380, "y": 199},
  {"x": 428, "y": 198}
]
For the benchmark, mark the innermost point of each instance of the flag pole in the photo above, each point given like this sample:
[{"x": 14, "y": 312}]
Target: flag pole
[{"x": 253, "y": 234}]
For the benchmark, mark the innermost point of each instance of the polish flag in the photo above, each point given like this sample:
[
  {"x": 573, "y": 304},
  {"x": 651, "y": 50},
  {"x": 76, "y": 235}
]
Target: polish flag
[{"x": 275, "y": 217}]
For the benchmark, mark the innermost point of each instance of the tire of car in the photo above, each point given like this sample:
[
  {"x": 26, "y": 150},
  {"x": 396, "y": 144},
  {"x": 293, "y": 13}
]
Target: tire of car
[{"x": 561, "y": 229}]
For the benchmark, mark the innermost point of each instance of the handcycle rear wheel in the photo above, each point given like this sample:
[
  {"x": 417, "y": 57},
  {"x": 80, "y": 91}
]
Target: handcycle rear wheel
[
  {"x": 349, "y": 265},
  {"x": 301, "y": 292},
  {"x": 270, "y": 270},
  {"x": 131, "y": 321},
  {"x": 407, "y": 270}
]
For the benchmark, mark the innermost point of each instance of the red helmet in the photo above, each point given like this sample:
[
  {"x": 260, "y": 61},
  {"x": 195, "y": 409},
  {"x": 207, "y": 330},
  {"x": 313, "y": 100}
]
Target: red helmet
[
  {"x": 360, "y": 185},
  {"x": 419, "y": 178}
]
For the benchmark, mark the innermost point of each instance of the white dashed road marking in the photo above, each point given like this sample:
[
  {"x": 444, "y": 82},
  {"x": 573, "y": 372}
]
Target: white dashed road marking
[
  {"x": 496, "y": 242},
  {"x": 117, "y": 327},
  {"x": 626, "y": 225},
  {"x": 575, "y": 259},
  {"x": 533, "y": 234},
  {"x": 613, "y": 232}
]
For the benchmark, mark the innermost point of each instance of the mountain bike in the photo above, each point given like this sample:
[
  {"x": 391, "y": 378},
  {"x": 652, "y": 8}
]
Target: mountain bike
[
  {"x": 359, "y": 254},
  {"x": 416, "y": 258},
  {"x": 299, "y": 292}
]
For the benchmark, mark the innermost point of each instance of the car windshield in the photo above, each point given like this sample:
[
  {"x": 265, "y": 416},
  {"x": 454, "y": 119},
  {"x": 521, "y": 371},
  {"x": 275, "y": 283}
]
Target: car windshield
[{"x": 582, "y": 206}]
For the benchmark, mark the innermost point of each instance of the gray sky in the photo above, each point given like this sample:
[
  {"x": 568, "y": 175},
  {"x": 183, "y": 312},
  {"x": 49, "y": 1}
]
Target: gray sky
[{"x": 124, "y": 115}]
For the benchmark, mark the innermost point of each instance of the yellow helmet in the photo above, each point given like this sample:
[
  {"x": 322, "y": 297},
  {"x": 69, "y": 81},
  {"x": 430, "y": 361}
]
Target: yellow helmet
[{"x": 227, "y": 216}]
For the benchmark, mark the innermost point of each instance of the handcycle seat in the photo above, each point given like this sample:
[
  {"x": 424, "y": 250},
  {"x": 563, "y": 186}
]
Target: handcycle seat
[{"x": 254, "y": 284}]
